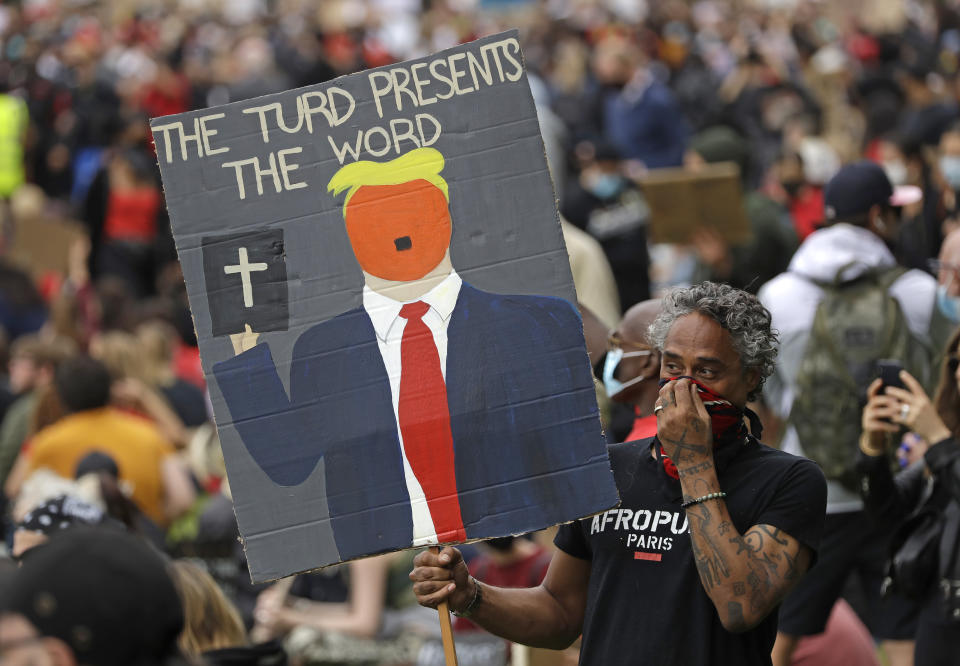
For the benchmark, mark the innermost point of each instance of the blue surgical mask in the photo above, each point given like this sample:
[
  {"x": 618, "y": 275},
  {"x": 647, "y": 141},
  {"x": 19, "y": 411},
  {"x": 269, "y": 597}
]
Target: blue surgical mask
[
  {"x": 610, "y": 382},
  {"x": 949, "y": 305},
  {"x": 606, "y": 186},
  {"x": 950, "y": 168}
]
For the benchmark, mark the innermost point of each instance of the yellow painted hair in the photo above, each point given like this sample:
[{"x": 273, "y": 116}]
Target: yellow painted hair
[{"x": 419, "y": 164}]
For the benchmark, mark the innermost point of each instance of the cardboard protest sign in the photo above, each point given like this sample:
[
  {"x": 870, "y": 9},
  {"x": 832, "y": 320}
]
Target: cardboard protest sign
[
  {"x": 681, "y": 201},
  {"x": 41, "y": 244},
  {"x": 385, "y": 311}
]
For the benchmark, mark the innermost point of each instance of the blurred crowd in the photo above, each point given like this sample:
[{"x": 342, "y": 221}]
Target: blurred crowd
[{"x": 105, "y": 421}]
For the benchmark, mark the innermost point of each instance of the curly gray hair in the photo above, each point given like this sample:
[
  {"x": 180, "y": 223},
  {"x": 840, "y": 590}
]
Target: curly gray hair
[{"x": 737, "y": 311}]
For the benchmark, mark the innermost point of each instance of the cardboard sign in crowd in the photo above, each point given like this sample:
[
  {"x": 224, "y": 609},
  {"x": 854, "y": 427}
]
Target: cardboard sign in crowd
[{"x": 385, "y": 311}]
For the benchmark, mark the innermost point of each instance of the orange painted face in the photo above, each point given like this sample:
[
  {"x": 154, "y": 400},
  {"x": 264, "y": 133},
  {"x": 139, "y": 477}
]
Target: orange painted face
[{"x": 399, "y": 232}]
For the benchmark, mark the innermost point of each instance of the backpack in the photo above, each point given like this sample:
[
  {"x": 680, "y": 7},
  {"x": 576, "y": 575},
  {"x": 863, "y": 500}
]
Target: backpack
[{"x": 857, "y": 323}]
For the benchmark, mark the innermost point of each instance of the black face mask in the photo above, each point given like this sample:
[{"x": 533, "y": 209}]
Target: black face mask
[{"x": 792, "y": 187}]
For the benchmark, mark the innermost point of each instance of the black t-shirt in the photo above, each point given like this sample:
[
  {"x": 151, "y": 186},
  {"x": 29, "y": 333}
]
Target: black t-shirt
[{"x": 645, "y": 602}]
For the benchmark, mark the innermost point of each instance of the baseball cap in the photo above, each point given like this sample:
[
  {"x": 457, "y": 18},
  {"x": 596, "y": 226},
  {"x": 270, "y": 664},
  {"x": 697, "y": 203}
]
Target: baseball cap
[
  {"x": 857, "y": 187},
  {"x": 105, "y": 593}
]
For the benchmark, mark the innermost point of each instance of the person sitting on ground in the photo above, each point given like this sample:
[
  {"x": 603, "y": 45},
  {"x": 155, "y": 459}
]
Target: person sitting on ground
[
  {"x": 33, "y": 361},
  {"x": 160, "y": 485},
  {"x": 55, "y": 515},
  {"x": 157, "y": 341},
  {"x": 126, "y": 358},
  {"x": 213, "y": 631}
]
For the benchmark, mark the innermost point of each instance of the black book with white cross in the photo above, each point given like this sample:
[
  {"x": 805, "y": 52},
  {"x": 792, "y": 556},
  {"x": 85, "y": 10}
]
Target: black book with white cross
[{"x": 246, "y": 278}]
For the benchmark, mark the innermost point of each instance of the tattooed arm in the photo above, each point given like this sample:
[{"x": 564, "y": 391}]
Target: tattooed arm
[{"x": 745, "y": 575}]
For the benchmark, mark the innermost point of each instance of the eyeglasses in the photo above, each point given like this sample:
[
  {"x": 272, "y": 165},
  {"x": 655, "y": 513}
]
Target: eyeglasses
[{"x": 614, "y": 341}]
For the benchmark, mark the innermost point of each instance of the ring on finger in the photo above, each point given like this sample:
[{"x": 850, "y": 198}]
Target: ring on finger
[
  {"x": 658, "y": 408},
  {"x": 904, "y": 412}
]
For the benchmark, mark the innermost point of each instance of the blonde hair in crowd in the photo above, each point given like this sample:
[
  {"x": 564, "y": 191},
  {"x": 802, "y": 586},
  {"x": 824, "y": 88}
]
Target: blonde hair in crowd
[
  {"x": 419, "y": 164},
  {"x": 121, "y": 353},
  {"x": 156, "y": 339},
  {"x": 210, "y": 621}
]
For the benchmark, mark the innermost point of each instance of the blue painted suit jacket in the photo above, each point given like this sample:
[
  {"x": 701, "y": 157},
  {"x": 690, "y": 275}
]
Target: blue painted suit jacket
[{"x": 527, "y": 443}]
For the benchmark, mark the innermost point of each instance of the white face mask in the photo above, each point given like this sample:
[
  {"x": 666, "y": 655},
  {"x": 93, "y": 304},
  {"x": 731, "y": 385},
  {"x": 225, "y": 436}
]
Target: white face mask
[
  {"x": 896, "y": 171},
  {"x": 613, "y": 385}
]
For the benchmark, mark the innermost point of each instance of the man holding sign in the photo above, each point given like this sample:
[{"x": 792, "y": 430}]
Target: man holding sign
[
  {"x": 713, "y": 530},
  {"x": 384, "y": 310},
  {"x": 466, "y": 435}
]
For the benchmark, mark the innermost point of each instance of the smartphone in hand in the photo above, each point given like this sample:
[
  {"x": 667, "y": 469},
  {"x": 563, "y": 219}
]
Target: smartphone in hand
[{"x": 889, "y": 372}]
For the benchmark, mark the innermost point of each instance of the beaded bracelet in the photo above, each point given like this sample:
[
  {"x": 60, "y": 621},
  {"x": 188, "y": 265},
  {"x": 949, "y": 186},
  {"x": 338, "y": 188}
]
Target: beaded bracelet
[{"x": 706, "y": 497}]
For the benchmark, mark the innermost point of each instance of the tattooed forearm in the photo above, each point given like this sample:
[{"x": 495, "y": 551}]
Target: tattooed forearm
[
  {"x": 711, "y": 566},
  {"x": 711, "y": 562},
  {"x": 694, "y": 469},
  {"x": 680, "y": 450},
  {"x": 735, "y": 613},
  {"x": 771, "y": 532},
  {"x": 756, "y": 568}
]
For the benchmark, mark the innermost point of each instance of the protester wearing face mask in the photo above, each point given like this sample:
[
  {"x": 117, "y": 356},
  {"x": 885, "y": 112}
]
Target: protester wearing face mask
[
  {"x": 946, "y": 268},
  {"x": 790, "y": 188},
  {"x": 948, "y": 172},
  {"x": 609, "y": 207},
  {"x": 904, "y": 165},
  {"x": 631, "y": 367},
  {"x": 949, "y": 161},
  {"x": 692, "y": 565}
]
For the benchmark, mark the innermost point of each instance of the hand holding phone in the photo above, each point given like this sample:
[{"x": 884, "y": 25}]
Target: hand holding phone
[{"x": 889, "y": 372}]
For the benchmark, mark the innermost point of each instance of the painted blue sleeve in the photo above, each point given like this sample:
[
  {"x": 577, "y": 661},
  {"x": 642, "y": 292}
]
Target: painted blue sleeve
[{"x": 273, "y": 427}]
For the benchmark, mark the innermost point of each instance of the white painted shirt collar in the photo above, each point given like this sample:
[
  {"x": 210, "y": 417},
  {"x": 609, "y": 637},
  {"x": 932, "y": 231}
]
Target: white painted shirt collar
[{"x": 384, "y": 311}]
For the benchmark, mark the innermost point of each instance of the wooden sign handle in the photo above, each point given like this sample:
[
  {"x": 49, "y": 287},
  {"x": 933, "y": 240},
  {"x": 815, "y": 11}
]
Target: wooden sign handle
[{"x": 446, "y": 628}]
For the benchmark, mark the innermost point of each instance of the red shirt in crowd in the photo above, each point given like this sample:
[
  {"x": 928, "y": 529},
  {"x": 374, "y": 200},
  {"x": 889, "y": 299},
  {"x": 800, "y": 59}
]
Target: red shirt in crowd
[
  {"x": 132, "y": 215},
  {"x": 643, "y": 427},
  {"x": 807, "y": 211}
]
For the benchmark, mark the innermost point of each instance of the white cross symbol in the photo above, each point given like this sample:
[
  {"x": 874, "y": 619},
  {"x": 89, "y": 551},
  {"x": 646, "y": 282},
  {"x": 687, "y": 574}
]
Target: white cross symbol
[{"x": 245, "y": 268}]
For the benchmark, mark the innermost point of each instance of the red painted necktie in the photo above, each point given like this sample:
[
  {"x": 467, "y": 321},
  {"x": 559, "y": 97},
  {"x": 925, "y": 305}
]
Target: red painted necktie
[{"x": 425, "y": 423}]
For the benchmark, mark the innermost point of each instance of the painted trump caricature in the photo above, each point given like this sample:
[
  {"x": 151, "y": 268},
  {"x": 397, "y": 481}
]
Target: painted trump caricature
[{"x": 442, "y": 413}]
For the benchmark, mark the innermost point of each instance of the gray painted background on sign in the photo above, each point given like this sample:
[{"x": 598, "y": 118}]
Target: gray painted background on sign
[{"x": 506, "y": 239}]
